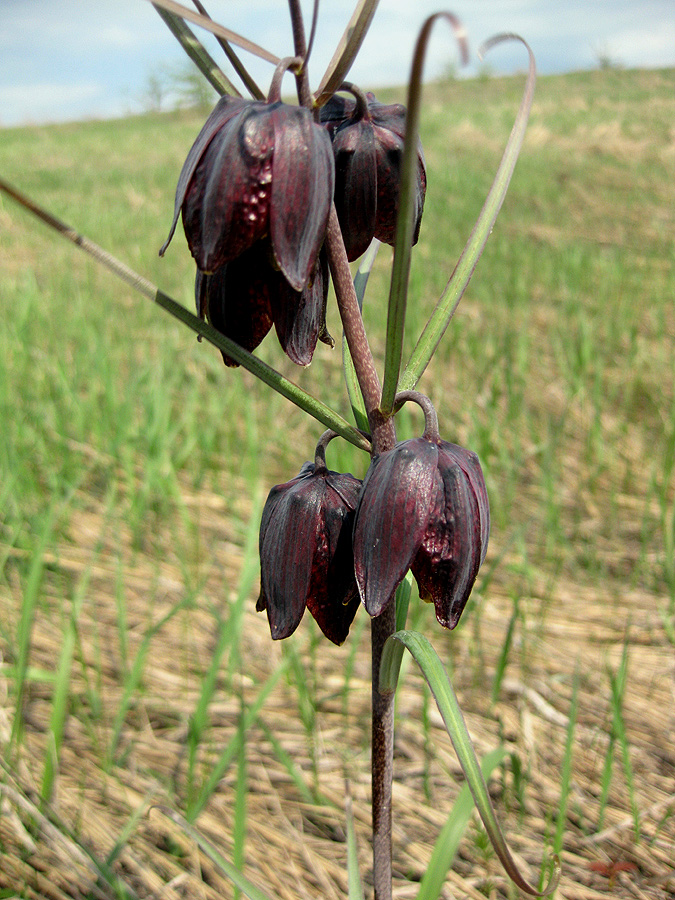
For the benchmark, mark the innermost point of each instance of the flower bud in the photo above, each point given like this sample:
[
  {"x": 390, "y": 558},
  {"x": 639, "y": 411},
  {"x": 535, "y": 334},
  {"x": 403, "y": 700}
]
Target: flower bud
[
  {"x": 368, "y": 148},
  {"x": 306, "y": 553},
  {"x": 423, "y": 507},
  {"x": 257, "y": 170}
]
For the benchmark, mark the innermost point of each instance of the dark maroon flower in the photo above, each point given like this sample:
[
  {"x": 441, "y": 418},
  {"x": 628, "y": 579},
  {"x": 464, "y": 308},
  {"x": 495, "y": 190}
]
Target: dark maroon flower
[
  {"x": 244, "y": 297},
  {"x": 257, "y": 170},
  {"x": 423, "y": 507},
  {"x": 306, "y": 555},
  {"x": 368, "y": 146}
]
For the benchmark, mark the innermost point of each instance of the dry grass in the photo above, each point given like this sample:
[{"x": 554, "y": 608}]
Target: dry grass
[{"x": 299, "y": 851}]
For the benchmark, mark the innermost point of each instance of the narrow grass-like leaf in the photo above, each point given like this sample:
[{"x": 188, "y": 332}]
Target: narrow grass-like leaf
[
  {"x": 232, "y": 872},
  {"x": 353, "y": 390},
  {"x": 234, "y": 60},
  {"x": 502, "y": 660},
  {"x": 566, "y": 769},
  {"x": 133, "y": 678},
  {"x": 400, "y": 272},
  {"x": 24, "y": 634},
  {"x": 447, "y": 843},
  {"x": 230, "y": 750},
  {"x": 346, "y": 50},
  {"x": 353, "y": 876},
  {"x": 209, "y": 25},
  {"x": 241, "y": 790},
  {"x": 197, "y": 53},
  {"x": 432, "y": 669},
  {"x": 261, "y": 370},
  {"x": 618, "y": 687},
  {"x": 60, "y": 700},
  {"x": 447, "y": 304},
  {"x": 308, "y": 795}
]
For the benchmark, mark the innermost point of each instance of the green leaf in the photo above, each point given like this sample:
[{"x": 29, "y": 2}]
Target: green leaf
[
  {"x": 346, "y": 50},
  {"x": 219, "y": 30},
  {"x": 353, "y": 876},
  {"x": 261, "y": 370},
  {"x": 400, "y": 273},
  {"x": 449, "y": 839},
  {"x": 432, "y": 669},
  {"x": 237, "y": 877},
  {"x": 353, "y": 389},
  {"x": 449, "y": 300},
  {"x": 197, "y": 53}
]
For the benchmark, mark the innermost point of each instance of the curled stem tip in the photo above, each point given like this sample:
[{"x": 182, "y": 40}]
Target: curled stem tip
[{"x": 430, "y": 417}]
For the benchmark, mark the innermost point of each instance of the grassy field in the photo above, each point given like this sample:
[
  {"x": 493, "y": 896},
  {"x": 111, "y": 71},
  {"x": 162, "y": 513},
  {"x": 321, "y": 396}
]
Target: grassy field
[{"x": 134, "y": 671}]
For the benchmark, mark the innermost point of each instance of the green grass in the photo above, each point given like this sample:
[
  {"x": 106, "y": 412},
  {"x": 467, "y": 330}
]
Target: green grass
[{"x": 124, "y": 439}]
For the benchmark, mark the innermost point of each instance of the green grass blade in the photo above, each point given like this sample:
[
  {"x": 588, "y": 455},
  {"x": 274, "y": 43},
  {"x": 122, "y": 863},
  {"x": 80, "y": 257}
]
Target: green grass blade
[
  {"x": 353, "y": 390},
  {"x": 447, "y": 304},
  {"x": 261, "y": 370},
  {"x": 197, "y": 53},
  {"x": 234, "y": 60},
  {"x": 451, "y": 834},
  {"x": 239, "y": 828},
  {"x": 218, "y": 30},
  {"x": 400, "y": 273},
  {"x": 432, "y": 669},
  {"x": 230, "y": 750},
  {"x": 353, "y": 874},
  {"x": 235, "y": 875},
  {"x": 31, "y": 596},
  {"x": 566, "y": 770},
  {"x": 346, "y": 50},
  {"x": 618, "y": 687}
]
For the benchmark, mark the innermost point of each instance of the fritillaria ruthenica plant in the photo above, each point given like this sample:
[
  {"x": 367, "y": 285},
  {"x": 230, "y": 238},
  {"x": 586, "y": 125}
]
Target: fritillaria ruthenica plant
[{"x": 276, "y": 200}]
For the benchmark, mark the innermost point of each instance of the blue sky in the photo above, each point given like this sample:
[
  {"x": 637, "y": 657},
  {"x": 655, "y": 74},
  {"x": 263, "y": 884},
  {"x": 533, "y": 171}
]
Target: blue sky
[{"x": 67, "y": 59}]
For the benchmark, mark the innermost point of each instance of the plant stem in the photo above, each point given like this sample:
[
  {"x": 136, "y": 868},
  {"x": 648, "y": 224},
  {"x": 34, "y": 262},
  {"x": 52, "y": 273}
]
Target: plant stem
[
  {"x": 382, "y": 429},
  {"x": 382, "y": 626},
  {"x": 382, "y": 761}
]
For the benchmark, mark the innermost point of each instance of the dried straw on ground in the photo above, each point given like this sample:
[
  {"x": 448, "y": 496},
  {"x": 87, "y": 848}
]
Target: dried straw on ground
[{"x": 294, "y": 849}]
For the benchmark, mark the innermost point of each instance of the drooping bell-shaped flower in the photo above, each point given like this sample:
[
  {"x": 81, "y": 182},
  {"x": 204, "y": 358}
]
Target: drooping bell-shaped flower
[
  {"x": 257, "y": 170},
  {"x": 423, "y": 507},
  {"x": 306, "y": 555},
  {"x": 244, "y": 297},
  {"x": 368, "y": 147}
]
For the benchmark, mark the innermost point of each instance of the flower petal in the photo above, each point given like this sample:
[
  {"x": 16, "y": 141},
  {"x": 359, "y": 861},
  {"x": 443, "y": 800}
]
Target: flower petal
[
  {"x": 391, "y": 518},
  {"x": 303, "y": 178}
]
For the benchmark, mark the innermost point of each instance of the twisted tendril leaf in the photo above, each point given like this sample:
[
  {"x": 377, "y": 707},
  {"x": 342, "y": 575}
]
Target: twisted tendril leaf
[
  {"x": 219, "y": 30},
  {"x": 197, "y": 53},
  {"x": 346, "y": 50},
  {"x": 449, "y": 299},
  {"x": 432, "y": 668},
  {"x": 398, "y": 291},
  {"x": 261, "y": 370}
]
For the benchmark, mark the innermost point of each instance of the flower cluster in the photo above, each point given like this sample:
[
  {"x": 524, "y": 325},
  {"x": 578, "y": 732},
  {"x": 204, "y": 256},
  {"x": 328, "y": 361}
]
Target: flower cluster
[
  {"x": 328, "y": 539},
  {"x": 255, "y": 194}
]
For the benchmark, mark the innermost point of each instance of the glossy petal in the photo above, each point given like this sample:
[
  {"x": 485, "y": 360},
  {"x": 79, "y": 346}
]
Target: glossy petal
[
  {"x": 226, "y": 206},
  {"x": 305, "y": 553},
  {"x": 470, "y": 465},
  {"x": 226, "y": 108},
  {"x": 446, "y": 565},
  {"x": 356, "y": 186},
  {"x": 303, "y": 178},
  {"x": 392, "y": 518},
  {"x": 368, "y": 152},
  {"x": 300, "y": 317},
  {"x": 236, "y": 298}
]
